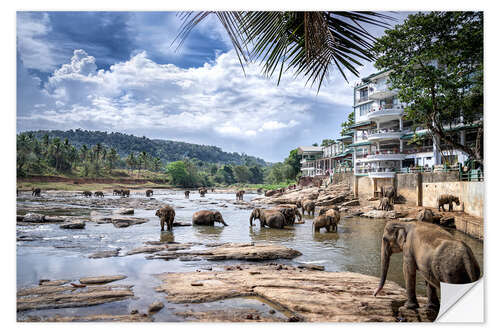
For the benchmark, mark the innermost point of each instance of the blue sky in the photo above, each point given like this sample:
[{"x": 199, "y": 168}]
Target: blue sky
[{"x": 118, "y": 71}]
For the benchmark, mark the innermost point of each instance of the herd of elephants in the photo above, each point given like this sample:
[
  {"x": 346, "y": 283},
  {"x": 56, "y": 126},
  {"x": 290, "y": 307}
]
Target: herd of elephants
[{"x": 426, "y": 247}]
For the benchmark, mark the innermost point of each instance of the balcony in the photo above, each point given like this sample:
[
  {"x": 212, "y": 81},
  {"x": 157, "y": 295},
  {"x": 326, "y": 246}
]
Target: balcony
[
  {"x": 386, "y": 112},
  {"x": 383, "y": 155},
  {"x": 385, "y": 134},
  {"x": 380, "y": 91}
]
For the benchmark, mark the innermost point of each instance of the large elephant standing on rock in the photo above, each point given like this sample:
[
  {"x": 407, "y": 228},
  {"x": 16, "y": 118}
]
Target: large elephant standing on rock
[
  {"x": 431, "y": 250},
  {"x": 268, "y": 217},
  {"x": 289, "y": 211},
  {"x": 207, "y": 217},
  {"x": 388, "y": 192},
  {"x": 166, "y": 215}
]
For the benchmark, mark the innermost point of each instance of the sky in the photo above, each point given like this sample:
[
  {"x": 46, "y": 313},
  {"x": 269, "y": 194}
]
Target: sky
[{"x": 121, "y": 72}]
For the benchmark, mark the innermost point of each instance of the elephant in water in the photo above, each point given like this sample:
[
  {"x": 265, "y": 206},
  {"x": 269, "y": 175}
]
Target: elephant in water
[
  {"x": 268, "y": 217},
  {"x": 289, "y": 211},
  {"x": 186, "y": 194},
  {"x": 149, "y": 193},
  {"x": 36, "y": 192},
  {"x": 447, "y": 199},
  {"x": 99, "y": 194},
  {"x": 239, "y": 195},
  {"x": 207, "y": 217},
  {"x": 125, "y": 193},
  {"x": 87, "y": 194},
  {"x": 431, "y": 250},
  {"x": 308, "y": 206},
  {"x": 202, "y": 191},
  {"x": 117, "y": 192},
  {"x": 327, "y": 219},
  {"x": 166, "y": 215}
]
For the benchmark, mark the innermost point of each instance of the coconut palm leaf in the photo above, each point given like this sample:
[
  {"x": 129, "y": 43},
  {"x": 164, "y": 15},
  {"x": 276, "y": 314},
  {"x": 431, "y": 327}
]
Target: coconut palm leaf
[{"x": 310, "y": 44}]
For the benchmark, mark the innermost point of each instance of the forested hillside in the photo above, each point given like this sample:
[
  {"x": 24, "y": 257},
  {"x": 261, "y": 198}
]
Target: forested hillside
[{"x": 165, "y": 150}]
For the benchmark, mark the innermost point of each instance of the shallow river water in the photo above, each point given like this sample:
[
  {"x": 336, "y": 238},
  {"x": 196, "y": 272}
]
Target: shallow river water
[{"x": 62, "y": 254}]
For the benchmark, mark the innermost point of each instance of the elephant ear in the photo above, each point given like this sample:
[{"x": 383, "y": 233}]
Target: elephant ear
[{"x": 401, "y": 236}]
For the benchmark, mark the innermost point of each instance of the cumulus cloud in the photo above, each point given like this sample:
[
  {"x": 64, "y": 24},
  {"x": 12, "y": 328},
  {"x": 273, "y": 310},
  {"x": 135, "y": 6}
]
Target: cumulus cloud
[{"x": 212, "y": 104}]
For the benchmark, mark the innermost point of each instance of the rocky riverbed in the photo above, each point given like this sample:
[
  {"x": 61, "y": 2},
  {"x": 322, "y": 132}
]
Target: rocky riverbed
[{"x": 121, "y": 237}]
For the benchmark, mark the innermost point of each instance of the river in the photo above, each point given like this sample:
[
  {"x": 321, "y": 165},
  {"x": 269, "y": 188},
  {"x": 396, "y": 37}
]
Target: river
[{"x": 62, "y": 254}]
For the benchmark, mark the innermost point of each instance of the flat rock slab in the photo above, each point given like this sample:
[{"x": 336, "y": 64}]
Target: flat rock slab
[
  {"x": 93, "y": 318},
  {"x": 314, "y": 296},
  {"x": 124, "y": 222},
  {"x": 233, "y": 251},
  {"x": 105, "y": 254},
  {"x": 125, "y": 211},
  {"x": 33, "y": 218},
  {"x": 54, "y": 219},
  {"x": 69, "y": 296},
  {"x": 102, "y": 279},
  {"x": 73, "y": 225},
  {"x": 383, "y": 214}
]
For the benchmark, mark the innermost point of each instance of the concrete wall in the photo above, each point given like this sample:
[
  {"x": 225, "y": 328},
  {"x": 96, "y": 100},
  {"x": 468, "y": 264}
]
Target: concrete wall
[
  {"x": 407, "y": 184},
  {"x": 437, "y": 177},
  {"x": 346, "y": 178},
  {"x": 471, "y": 195},
  {"x": 365, "y": 187}
]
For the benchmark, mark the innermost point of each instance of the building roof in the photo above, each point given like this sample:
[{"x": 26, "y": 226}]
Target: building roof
[
  {"x": 360, "y": 124},
  {"x": 309, "y": 149},
  {"x": 359, "y": 144},
  {"x": 374, "y": 74}
]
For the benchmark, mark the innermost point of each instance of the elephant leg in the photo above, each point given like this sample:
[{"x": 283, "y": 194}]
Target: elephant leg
[
  {"x": 410, "y": 274},
  {"x": 162, "y": 223},
  {"x": 450, "y": 208},
  {"x": 432, "y": 297}
]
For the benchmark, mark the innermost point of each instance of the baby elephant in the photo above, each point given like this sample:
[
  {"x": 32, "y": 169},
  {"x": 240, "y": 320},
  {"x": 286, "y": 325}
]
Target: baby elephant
[
  {"x": 207, "y": 217},
  {"x": 99, "y": 194},
  {"x": 186, "y": 194},
  {"x": 329, "y": 221},
  {"x": 87, "y": 194},
  {"x": 202, "y": 191},
  {"x": 385, "y": 204},
  {"x": 149, "y": 193},
  {"x": 447, "y": 199},
  {"x": 166, "y": 215},
  {"x": 125, "y": 193},
  {"x": 289, "y": 211}
]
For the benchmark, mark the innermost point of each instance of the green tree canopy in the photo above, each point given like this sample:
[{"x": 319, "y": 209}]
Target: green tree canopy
[{"x": 436, "y": 63}]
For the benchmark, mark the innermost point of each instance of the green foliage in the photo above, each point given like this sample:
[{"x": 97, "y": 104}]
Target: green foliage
[
  {"x": 327, "y": 142},
  {"x": 437, "y": 65},
  {"x": 242, "y": 174},
  {"x": 346, "y": 124}
]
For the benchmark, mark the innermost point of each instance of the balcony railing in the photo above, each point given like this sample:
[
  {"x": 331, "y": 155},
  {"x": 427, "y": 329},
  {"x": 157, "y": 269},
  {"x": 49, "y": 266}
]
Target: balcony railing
[
  {"x": 384, "y": 130},
  {"x": 362, "y": 99}
]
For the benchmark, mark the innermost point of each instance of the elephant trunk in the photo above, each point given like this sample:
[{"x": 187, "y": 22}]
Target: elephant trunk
[
  {"x": 222, "y": 221},
  {"x": 298, "y": 214},
  {"x": 385, "y": 255},
  {"x": 252, "y": 216}
]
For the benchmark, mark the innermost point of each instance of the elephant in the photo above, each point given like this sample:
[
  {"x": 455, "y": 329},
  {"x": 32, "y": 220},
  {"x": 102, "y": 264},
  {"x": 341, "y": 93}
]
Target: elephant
[
  {"x": 166, "y": 215},
  {"x": 259, "y": 190},
  {"x": 385, "y": 204},
  {"x": 239, "y": 195},
  {"x": 117, "y": 192},
  {"x": 447, "y": 199},
  {"x": 212, "y": 190},
  {"x": 207, "y": 217},
  {"x": 99, "y": 194},
  {"x": 125, "y": 193},
  {"x": 270, "y": 193},
  {"x": 202, "y": 191},
  {"x": 149, "y": 193},
  {"x": 308, "y": 206},
  {"x": 268, "y": 217},
  {"x": 426, "y": 215},
  {"x": 329, "y": 222},
  {"x": 87, "y": 194},
  {"x": 388, "y": 192},
  {"x": 431, "y": 250},
  {"x": 186, "y": 194},
  {"x": 36, "y": 192},
  {"x": 289, "y": 211}
]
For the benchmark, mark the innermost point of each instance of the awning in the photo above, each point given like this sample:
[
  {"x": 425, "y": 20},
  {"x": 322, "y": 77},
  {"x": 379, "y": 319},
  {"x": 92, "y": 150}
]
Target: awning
[
  {"x": 344, "y": 154},
  {"x": 345, "y": 138},
  {"x": 411, "y": 135}
]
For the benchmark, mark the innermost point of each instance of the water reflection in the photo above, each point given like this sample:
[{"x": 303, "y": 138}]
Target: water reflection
[
  {"x": 167, "y": 236},
  {"x": 203, "y": 232},
  {"x": 264, "y": 234}
]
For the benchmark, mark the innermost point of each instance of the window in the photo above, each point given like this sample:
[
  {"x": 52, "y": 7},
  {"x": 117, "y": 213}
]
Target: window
[{"x": 363, "y": 109}]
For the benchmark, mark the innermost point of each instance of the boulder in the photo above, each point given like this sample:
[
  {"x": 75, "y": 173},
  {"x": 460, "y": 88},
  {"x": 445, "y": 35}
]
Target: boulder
[
  {"x": 354, "y": 202},
  {"x": 54, "y": 219},
  {"x": 124, "y": 222},
  {"x": 427, "y": 215},
  {"x": 155, "y": 307},
  {"x": 383, "y": 214},
  {"x": 146, "y": 249},
  {"x": 78, "y": 224},
  {"x": 125, "y": 211},
  {"x": 102, "y": 279},
  {"x": 105, "y": 254},
  {"x": 33, "y": 218},
  {"x": 447, "y": 221}
]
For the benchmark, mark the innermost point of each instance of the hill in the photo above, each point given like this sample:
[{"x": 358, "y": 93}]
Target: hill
[{"x": 166, "y": 150}]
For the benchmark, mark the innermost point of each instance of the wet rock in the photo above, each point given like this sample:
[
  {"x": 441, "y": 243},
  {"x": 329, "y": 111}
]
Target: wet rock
[
  {"x": 102, "y": 279},
  {"x": 124, "y": 222},
  {"x": 354, "y": 202},
  {"x": 312, "y": 267},
  {"x": 427, "y": 215},
  {"x": 105, "y": 254},
  {"x": 52, "y": 283},
  {"x": 407, "y": 219},
  {"x": 73, "y": 225},
  {"x": 134, "y": 311},
  {"x": 133, "y": 317},
  {"x": 228, "y": 315},
  {"x": 101, "y": 219},
  {"x": 54, "y": 219},
  {"x": 19, "y": 218},
  {"x": 155, "y": 307},
  {"x": 146, "y": 249},
  {"x": 33, "y": 218},
  {"x": 182, "y": 224},
  {"x": 447, "y": 221},
  {"x": 125, "y": 211},
  {"x": 382, "y": 214},
  {"x": 314, "y": 296}
]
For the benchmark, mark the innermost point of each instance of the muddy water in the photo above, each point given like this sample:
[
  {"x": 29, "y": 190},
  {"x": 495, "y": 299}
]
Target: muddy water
[{"x": 62, "y": 254}]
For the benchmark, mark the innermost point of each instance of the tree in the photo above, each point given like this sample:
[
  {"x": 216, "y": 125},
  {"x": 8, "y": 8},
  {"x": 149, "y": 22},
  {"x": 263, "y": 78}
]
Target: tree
[
  {"x": 348, "y": 123},
  {"x": 436, "y": 63},
  {"x": 310, "y": 44},
  {"x": 257, "y": 176},
  {"x": 293, "y": 160},
  {"x": 241, "y": 173},
  {"x": 327, "y": 142},
  {"x": 178, "y": 173}
]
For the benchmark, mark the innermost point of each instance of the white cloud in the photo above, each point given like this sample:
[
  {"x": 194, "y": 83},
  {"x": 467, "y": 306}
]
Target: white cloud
[{"x": 211, "y": 104}]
